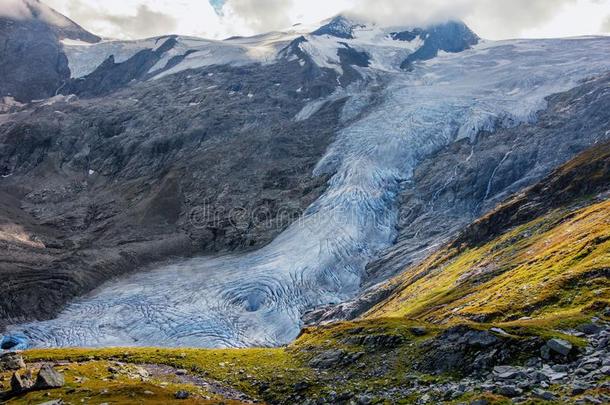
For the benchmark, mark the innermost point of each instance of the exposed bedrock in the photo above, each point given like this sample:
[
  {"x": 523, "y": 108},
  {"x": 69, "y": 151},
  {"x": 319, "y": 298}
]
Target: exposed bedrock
[{"x": 92, "y": 189}]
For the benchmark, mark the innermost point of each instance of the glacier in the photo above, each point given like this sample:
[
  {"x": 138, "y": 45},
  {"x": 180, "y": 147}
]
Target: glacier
[{"x": 258, "y": 298}]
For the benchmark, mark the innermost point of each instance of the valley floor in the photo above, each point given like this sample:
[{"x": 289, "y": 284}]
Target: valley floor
[{"x": 365, "y": 362}]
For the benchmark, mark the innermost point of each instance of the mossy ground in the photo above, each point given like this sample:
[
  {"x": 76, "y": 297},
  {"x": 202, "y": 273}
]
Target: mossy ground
[
  {"x": 269, "y": 375},
  {"x": 90, "y": 382},
  {"x": 554, "y": 267}
]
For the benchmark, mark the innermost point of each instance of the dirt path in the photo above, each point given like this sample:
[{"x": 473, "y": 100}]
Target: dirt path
[{"x": 172, "y": 374}]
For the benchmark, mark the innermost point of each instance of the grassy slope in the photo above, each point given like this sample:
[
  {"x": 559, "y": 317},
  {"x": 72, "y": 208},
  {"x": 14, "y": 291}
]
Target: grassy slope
[{"x": 556, "y": 265}]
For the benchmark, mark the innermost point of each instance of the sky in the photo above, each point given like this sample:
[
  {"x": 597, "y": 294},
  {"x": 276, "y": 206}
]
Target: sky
[{"x": 491, "y": 19}]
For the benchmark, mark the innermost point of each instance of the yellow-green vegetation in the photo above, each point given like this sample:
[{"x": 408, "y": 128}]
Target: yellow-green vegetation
[
  {"x": 270, "y": 374},
  {"x": 552, "y": 268},
  {"x": 237, "y": 368},
  {"x": 91, "y": 382}
]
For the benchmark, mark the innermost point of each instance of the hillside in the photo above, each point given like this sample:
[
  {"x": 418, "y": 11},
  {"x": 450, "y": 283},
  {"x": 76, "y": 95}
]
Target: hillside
[
  {"x": 544, "y": 253},
  {"x": 516, "y": 312}
]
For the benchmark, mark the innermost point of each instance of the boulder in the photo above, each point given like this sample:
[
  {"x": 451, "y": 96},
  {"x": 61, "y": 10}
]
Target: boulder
[
  {"x": 418, "y": 331},
  {"x": 560, "y": 346},
  {"x": 509, "y": 391},
  {"x": 48, "y": 378},
  {"x": 590, "y": 328},
  {"x": 507, "y": 372},
  {"x": 553, "y": 375},
  {"x": 21, "y": 384},
  {"x": 580, "y": 388},
  {"x": 182, "y": 395},
  {"x": 11, "y": 361},
  {"x": 542, "y": 394},
  {"x": 300, "y": 386}
]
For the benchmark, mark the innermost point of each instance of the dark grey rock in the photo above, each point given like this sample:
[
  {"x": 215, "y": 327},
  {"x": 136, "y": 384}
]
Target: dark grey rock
[
  {"x": 48, "y": 378},
  {"x": 507, "y": 372},
  {"x": 542, "y": 394},
  {"x": 590, "y": 328},
  {"x": 328, "y": 359},
  {"x": 580, "y": 388},
  {"x": 21, "y": 383},
  {"x": 545, "y": 352},
  {"x": 11, "y": 361},
  {"x": 509, "y": 391},
  {"x": 301, "y": 386},
  {"x": 560, "y": 346},
  {"x": 182, "y": 394},
  {"x": 418, "y": 331}
]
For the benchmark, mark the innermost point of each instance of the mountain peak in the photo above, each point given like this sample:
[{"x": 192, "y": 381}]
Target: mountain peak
[
  {"x": 35, "y": 10},
  {"x": 339, "y": 26}
]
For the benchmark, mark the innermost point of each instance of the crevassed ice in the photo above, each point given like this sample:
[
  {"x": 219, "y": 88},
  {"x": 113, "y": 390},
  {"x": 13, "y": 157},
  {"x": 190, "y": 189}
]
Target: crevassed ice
[{"x": 258, "y": 298}]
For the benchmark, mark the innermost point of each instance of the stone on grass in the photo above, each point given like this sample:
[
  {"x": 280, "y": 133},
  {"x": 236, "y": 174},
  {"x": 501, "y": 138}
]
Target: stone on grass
[
  {"x": 509, "y": 391},
  {"x": 11, "y": 361},
  {"x": 560, "y": 346},
  {"x": 418, "y": 331},
  {"x": 20, "y": 384},
  {"x": 48, "y": 378},
  {"x": 542, "y": 394},
  {"x": 182, "y": 395}
]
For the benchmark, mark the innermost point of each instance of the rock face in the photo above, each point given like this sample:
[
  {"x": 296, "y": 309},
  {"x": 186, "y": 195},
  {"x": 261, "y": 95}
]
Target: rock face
[{"x": 32, "y": 64}]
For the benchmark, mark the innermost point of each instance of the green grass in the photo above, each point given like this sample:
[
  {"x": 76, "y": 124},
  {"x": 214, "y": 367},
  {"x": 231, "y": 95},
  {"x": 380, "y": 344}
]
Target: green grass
[{"x": 555, "y": 266}]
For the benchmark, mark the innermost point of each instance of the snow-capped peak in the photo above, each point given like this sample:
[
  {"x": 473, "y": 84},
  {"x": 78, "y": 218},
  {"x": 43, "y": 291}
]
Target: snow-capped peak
[
  {"x": 340, "y": 27},
  {"x": 343, "y": 42}
]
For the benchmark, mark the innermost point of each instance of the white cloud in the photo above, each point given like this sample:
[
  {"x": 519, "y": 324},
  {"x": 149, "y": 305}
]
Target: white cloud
[
  {"x": 489, "y": 18},
  {"x": 605, "y": 28},
  {"x": 14, "y": 9}
]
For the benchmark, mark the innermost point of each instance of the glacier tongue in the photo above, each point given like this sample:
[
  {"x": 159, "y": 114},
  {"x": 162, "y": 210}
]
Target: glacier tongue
[{"x": 258, "y": 298}]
